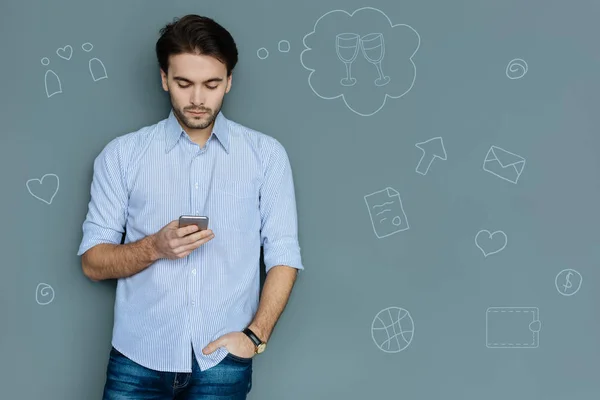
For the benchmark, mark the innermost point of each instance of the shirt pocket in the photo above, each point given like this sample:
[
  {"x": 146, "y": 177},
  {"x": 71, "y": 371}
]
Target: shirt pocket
[{"x": 235, "y": 205}]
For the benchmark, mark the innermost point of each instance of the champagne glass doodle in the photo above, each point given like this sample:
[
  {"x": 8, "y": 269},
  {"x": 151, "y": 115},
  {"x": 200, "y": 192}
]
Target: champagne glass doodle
[
  {"x": 373, "y": 49},
  {"x": 51, "y": 80},
  {"x": 568, "y": 282},
  {"x": 44, "y": 294},
  {"x": 347, "y": 46},
  {"x": 392, "y": 329},
  {"x": 373, "y": 36}
]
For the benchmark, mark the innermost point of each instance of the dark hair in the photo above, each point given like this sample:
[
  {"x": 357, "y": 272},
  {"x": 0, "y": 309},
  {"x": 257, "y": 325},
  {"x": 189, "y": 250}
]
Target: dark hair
[{"x": 197, "y": 35}]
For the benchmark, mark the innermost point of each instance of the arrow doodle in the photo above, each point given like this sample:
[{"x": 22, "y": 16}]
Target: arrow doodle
[{"x": 432, "y": 149}]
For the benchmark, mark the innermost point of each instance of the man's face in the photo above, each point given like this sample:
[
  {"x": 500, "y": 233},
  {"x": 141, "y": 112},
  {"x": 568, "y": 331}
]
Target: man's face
[{"x": 196, "y": 85}]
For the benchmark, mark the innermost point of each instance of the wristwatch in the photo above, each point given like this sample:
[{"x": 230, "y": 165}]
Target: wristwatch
[{"x": 260, "y": 345}]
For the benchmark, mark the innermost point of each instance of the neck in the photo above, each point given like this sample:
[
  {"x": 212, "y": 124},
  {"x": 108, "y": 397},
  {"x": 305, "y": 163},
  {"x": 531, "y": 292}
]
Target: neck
[{"x": 199, "y": 136}]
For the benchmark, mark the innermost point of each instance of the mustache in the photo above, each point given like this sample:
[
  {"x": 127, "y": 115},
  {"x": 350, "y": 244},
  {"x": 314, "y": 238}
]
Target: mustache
[{"x": 208, "y": 110}]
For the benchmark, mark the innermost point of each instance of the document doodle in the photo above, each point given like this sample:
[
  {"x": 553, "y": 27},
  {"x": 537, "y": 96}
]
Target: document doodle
[{"x": 386, "y": 212}]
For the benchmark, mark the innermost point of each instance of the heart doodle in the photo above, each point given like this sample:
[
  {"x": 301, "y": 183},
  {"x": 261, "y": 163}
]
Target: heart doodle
[
  {"x": 65, "y": 52},
  {"x": 50, "y": 187},
  {"x": 487, "y": 238}
]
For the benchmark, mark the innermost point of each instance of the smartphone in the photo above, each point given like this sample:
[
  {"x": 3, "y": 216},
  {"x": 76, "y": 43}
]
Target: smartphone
[{"x": 200, "y": 221}]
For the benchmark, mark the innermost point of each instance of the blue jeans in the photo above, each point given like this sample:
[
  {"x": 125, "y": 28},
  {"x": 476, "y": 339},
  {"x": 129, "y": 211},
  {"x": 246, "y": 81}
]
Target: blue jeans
[{"x": 231, "y": 379}]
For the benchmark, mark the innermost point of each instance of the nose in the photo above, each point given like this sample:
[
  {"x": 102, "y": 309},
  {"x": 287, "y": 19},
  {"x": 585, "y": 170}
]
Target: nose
[{"x": 197, "y": 96}]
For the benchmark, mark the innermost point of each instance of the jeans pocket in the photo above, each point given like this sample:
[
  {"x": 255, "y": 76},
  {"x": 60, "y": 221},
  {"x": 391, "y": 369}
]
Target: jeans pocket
[
  {"x": 115, "y": 353},
  {"x": 239, "y": 359}
]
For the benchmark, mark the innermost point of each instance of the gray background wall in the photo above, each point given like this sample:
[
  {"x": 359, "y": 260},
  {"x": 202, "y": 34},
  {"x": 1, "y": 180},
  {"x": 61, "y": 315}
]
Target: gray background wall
[{"x": 436, "y": 261}]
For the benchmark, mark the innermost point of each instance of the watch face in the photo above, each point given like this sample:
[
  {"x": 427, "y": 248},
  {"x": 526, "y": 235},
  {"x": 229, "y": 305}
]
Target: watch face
[{"x": 261, "y": 348}]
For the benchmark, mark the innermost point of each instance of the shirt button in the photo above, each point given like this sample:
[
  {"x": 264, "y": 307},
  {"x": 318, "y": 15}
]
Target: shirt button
[
  {"x": 194, "y": 271},
  {"x": 193, "y": 303},
  {"x": 196, "y": 185}
]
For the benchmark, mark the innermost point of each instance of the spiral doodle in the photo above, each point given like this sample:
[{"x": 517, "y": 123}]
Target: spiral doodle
[
  {"x": 516, "y": 69},
  {"x": 44, "y": 294}
]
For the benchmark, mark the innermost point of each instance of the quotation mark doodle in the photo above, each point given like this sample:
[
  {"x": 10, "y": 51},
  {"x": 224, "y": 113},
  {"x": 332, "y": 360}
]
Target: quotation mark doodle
[
  {"x": 52, "y": 81},
  {"x": 568, "y": 282},
  {"x": 516, "y": 69},
  {"x": 46, "y": 187},
  {"x": 392, "y": 329},
  {"x": 485, "y": 240},
  {"x": 283, "y": 46},
  {"x": 44, "y": 294}
]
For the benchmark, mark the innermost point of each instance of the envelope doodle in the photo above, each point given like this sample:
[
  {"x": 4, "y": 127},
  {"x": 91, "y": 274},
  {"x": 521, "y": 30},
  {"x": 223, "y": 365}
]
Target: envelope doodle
[
  {"x": 504, "y": 164},
  {"x": 512, "y": 327}
]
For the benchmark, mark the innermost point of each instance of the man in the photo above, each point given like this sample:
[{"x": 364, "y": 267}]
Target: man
[{"x": 188, "y": 320}]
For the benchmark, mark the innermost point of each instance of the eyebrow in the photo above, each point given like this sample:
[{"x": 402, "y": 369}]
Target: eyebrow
[{"x": 180, "y": 78}]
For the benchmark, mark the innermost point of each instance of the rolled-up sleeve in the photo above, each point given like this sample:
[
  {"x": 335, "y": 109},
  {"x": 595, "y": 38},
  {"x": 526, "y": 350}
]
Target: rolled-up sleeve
[
  {"x": 279, "y": 221},
  {"x": 107, "y": 208}
]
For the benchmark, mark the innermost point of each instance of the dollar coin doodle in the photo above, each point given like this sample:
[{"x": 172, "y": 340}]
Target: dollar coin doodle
[{"x": 568, "y": 282}]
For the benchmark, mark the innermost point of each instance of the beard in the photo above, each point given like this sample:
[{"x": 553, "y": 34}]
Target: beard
[{"x": 196, "y": 122}]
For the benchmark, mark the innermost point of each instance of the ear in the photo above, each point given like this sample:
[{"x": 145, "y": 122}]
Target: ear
[
  {"x": 163, "y": 77},
  {"x": 228, "y": 83}
]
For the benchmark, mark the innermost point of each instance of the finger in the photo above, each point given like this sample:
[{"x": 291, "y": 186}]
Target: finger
[
  {"x": 191, "y": 238},
  {"x": 187, "y": 253},
  {"x": 191, "y": 246},
  {"x": 186, "y": 230},
  {"x": 178, "y": 242},
  {"x": 197, "y": 236}
]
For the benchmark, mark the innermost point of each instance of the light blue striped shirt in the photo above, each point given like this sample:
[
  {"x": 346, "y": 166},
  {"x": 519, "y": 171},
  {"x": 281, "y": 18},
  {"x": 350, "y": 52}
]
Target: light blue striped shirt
[{"x": 242, "y": 180}]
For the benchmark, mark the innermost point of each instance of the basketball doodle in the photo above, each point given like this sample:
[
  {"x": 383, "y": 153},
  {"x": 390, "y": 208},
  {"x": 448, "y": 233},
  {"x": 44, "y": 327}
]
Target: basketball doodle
[{"x": 393, "y": 329}]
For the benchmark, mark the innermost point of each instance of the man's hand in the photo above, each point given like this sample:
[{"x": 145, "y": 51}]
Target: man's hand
[
  {"x": 173, "y": 242},
  {"x": 237, "y": 343}
]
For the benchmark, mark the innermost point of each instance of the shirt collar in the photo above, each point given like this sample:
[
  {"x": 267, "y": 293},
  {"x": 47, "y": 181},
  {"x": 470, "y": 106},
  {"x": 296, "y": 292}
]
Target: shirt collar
[{"x": 173, "y": 131}]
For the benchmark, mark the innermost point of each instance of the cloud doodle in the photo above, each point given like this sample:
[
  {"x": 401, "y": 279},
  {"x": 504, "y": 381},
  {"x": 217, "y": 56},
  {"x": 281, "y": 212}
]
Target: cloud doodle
[{"x": 360, "y": 57}]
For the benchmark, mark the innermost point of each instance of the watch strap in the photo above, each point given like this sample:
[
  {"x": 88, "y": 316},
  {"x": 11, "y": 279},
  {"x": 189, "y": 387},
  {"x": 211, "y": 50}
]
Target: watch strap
[{"x": 252, "y": 336}]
